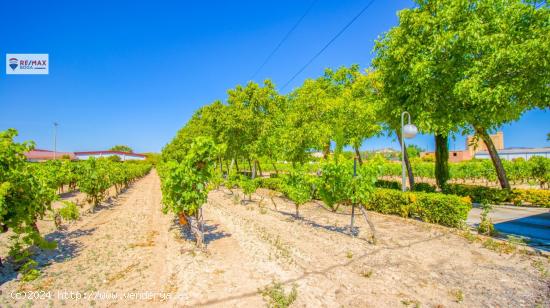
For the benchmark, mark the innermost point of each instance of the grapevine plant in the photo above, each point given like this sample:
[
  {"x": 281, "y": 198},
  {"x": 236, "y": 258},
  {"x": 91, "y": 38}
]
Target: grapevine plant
[
  {"x": 338, "y": 185},
  {"x": 249, "y": 186},
  {"x": 96, "y": 176},
  {"x": 24, "y": 196},
  {"x": 297, "y": 186},
  {"x": 27, "y": 191},
  {"x": 94, "y": 180},
  {"x": 185, "y": 184}
]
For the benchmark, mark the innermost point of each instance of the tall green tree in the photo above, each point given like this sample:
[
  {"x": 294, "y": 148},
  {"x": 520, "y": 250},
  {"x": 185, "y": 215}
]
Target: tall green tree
[
  {"x": 251, "y": 116},
  {"x": 357, "y": 110},
  {"x": 505, "y": 45},
  {"x": 122, "y": 148},
  {"x": 466, "y": 65},
  {"x": 338, "y": 108},
  {"x": 306, "y": 124},
  {"x": 207, "y": 121}
]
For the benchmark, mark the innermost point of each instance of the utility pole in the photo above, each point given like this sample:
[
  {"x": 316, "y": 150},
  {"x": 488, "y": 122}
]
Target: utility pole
[{"x": 55, "y": 124}]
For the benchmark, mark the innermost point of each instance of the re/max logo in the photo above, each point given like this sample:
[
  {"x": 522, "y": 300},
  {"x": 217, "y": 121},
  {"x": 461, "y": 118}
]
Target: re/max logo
[
  {"x": 27, "y": 64},
  {"x": 32, "y": 63}
]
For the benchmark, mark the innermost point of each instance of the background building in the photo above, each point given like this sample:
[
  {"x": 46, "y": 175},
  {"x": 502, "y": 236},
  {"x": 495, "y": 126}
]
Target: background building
[
  {"x": 98, "y": 154},
  {"x": 476, "y": 148},
  {"x": 38, "y": 155},
  {"x": 513, "y": 153},
  {"x": 473, "y": 147}
]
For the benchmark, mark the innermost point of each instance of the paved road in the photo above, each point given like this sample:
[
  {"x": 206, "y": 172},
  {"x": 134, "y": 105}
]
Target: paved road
[{"x": 531, "y": 223}]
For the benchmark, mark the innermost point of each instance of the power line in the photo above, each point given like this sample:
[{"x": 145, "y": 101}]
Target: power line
[
  {"x": 329, "y": 43},
  {"x": 284, "y": 39}
]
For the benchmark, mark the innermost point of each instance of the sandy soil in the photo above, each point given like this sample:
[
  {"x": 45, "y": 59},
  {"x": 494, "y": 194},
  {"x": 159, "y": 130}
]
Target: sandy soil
[{"x": 130, "y": 246}]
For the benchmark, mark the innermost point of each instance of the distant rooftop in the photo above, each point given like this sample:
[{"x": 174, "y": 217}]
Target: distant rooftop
[
  {"x": 384, "y": 150},
  {"x": 106, "y": 152},
  {"x": 519, "y": 150},
  {"x": 39, "y": 154}
]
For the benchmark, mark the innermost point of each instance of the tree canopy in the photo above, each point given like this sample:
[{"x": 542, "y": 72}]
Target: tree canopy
[
  {"x": 462, "y": 66},
  {"x": 122, "y": 148},
  {"x": 456, "y": 66}
]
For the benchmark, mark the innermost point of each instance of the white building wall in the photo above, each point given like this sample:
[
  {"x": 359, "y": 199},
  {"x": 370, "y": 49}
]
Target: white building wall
[
  {"x": 511, "y": 156},
  {"x": 122, "y": 157}
]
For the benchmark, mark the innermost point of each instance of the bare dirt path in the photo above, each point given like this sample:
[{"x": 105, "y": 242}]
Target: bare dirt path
[
  {"x": 130, "y": 247},
  {"x": 120, "y": 248}
]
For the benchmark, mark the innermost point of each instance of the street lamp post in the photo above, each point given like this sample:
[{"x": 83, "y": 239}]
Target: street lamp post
[
  {"x": 55, "y": 139},
  {"x": 407, "y": 131}
]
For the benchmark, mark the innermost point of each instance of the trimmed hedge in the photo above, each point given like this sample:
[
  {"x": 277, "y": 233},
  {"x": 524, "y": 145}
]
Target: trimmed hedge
[
  {"x": 387, "y": 184},
  {"x": 532, "y": 196},
  {"x": 446, "y": 210},
  {"x": 425, "y": 187},
  {"x": 479, "y": 194}
]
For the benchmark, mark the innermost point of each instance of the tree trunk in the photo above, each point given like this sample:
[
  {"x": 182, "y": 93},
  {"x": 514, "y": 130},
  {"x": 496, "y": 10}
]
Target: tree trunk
[
  {"x": 352, "y": 233},
  {"x": 249, "y": 165},
  {"x": 237, "y": 165},
  {"x": 259, "y": 168},
  {"x": 358, "y": 155},
  {"x": 252, "y": 170},
  {"x": 227, "y": 168},
  {"x": 275, "y": 168},
  {"x": 326, "y": 150},
  {"x": 499, "y": 168},
  {"x": 221, "y": 165},
  {"x": 441, "y": 160},
  {"x": 194, "y": 227},
  {"x": 371, "y": 225},
  {"x": 297, "y": 210},
  {"x": 408, "y": 166}
]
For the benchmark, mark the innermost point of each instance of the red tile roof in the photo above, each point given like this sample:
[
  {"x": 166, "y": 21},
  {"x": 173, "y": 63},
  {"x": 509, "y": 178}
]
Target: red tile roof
[{"x": 38, "y": 154}]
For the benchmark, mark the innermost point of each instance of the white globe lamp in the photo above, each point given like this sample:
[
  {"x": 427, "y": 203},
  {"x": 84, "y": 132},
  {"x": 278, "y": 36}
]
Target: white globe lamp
[{"x": 409, "y": 131}]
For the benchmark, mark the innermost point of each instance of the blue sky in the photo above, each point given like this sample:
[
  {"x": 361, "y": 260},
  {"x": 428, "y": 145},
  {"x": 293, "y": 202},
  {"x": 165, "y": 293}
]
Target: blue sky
[{"x": 130, "y": 72}]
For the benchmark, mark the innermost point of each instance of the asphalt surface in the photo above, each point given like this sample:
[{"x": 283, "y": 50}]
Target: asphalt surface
[{"x": 531, "y": 224}]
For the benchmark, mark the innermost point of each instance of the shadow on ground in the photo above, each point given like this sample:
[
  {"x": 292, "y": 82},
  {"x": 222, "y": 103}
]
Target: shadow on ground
[
  {"x": 67, "y": 248},
  {"x": 211, "y": 231},
  {"x": 67, "y": 244},
  {"x": 534, "y": 229}
]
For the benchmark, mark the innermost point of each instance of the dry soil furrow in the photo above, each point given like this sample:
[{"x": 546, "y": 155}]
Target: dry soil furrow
[
  {"x": 120, "y": 248},
  {"x": 324, "y": 272},
  {"x": 413, "y": 261}
]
